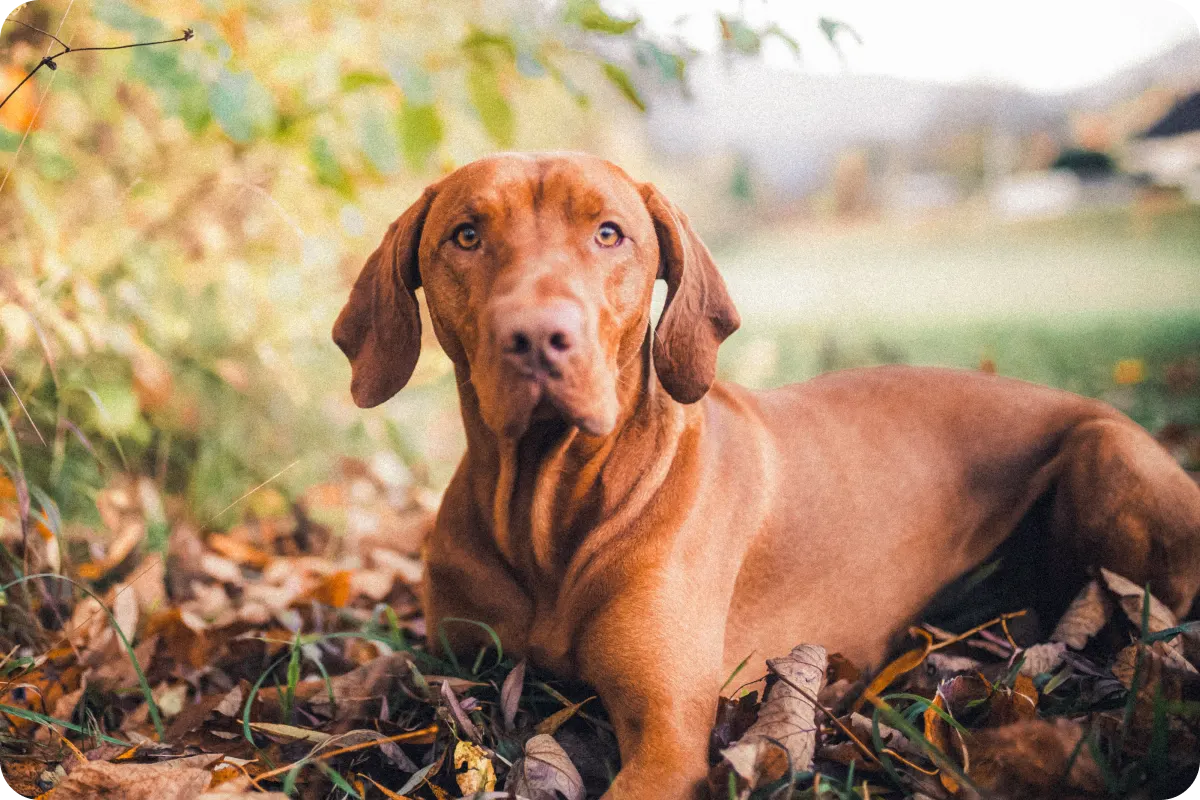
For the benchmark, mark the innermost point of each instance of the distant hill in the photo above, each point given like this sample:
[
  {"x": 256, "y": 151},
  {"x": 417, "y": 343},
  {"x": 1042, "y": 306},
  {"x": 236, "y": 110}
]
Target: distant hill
[{"x": 790, "y": 126}]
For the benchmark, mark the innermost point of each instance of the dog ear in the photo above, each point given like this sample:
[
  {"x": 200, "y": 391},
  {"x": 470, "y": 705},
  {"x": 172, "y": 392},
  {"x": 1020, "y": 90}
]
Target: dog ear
[
  {"x": 379, "y": 330},
  {"x": 698, "y": 314}
]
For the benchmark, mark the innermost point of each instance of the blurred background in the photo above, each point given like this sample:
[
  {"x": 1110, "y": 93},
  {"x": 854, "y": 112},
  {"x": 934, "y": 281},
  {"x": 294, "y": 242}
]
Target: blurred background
[{"x": 1008, "y": 187}]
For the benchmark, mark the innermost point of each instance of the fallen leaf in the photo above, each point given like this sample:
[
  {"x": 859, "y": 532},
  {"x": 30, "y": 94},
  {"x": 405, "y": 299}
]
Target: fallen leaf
[
  {"x": 946, "y": 738},
  {"x": 333, "y": 590},
  {"x": 1042, "y": 658},
  {"x": 176, "y": 779},
  {"x": 1029, "y": 759},
  {"x": 1132, "y": 599},
  {"x": 510, "y": 694},
  {"x": 787, "y": 716},
  {"x": 290, "y": 732},
  {"x": 545, "y": 772},
  {"x": 556, "y": 720},
  {"x": 906, "y": 662},
  {"x": 465, "y": 725},
  {"x": 237, "y": 550},
  {"x": 477, "y": 773},
  {"x": 1087, "y": 614}
]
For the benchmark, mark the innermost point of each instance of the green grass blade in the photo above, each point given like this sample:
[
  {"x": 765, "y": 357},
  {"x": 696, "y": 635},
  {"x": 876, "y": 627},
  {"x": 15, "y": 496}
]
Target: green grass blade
[
  {"x": 44, "y": 719},
  {"x": 155, "y": 715}
]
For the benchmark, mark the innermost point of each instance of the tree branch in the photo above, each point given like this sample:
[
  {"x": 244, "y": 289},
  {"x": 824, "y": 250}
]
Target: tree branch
[{"x": 49, "y": 61}]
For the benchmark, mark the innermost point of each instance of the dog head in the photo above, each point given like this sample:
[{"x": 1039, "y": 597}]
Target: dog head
[{"x": 538, "y": 273}]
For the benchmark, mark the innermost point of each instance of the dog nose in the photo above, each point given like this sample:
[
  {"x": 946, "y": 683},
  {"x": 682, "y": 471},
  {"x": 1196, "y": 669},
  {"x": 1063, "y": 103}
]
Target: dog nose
[{"x": 539, "y": 338}]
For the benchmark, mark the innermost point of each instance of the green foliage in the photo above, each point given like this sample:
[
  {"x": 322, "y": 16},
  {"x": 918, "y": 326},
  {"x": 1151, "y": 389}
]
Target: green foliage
[
  {"x": 589, "y": 15},
  {"x": 169, "y": 287},
  {"x": 484, "y": 89}
]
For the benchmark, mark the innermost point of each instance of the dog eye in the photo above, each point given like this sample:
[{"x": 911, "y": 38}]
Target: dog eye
[
  {"x": 466, "y": 237},
  {"x": 609, "y": 235}
]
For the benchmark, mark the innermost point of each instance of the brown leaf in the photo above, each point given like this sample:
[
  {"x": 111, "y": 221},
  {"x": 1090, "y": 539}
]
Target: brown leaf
[
  {"x": 510, "y": 694},
  {"x": 333, "y": 590},
  {"x": 545, "y": 772},
  {"x": 556, "y": 720},
  {"x": 465, "y": 725},
  {"x": 1087, "y": 614},
  {"x": 177, "y": 779},
  {"x": 1132, "y": 598},
  {"x": 945, "y": 737},
  {"x": 1029, "y": 759},
  {"x": 290, "y": 733},
  {"x": 358, "y": 691},
  {"x": 788, "y": 716},
  {"x": 237, "y": 550},
  {"x": 1041, "y": 658},
  {"x": 906, "y": 662},
  {"x": 1006, "y": 706}
]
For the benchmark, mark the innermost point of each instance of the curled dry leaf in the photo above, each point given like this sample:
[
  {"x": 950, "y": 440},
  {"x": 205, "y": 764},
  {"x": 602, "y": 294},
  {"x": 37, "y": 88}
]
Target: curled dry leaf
[
  {"x": 477, "y": 773},
  {"x": 465, "y": 725},
  {"x": 1132, "y": 598},
  {"x": 545, "y": 772},
  {"x": 510, "y": 694},
  {"x": 946, "y": 738},
  {"x": 1087, "y": 614},
  {"x": 787, "y": 716}
]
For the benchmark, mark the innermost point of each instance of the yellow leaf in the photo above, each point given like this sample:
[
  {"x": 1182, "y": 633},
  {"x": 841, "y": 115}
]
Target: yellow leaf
[{"x": 479, "y": 775}]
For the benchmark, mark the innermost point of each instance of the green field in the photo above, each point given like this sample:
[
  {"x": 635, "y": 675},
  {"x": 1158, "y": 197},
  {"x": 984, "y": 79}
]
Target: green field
[{"x": 1058, "y": 302}]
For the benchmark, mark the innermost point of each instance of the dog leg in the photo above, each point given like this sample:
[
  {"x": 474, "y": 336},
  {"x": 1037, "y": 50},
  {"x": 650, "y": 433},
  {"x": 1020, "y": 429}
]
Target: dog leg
[
  {"x": 1123, "y": 503},
  {"x": 658, "y": 675}
]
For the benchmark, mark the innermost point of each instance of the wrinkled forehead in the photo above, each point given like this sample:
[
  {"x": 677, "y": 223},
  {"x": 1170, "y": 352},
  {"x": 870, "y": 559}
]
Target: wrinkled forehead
[{"x": 514, "y": 187}]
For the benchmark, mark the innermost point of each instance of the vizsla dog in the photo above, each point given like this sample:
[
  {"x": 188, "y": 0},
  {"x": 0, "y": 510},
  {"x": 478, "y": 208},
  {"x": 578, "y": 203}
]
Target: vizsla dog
[{"x": 621, "y": 518}]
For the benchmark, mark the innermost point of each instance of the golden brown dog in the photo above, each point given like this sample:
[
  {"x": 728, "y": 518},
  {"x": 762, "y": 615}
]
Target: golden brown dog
[{"x": 621, "y": 518}]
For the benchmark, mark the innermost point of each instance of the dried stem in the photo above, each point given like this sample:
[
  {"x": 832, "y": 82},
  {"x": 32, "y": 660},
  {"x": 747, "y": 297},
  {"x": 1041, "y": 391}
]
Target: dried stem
[{"x": 50, "y": 61}]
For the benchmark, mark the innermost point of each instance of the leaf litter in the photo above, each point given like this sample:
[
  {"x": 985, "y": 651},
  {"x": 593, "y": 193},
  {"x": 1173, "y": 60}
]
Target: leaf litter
[{"x": 285, "y": 656}]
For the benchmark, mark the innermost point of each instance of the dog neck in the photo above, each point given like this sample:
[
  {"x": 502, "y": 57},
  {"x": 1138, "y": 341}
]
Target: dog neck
[{"x": 554, "y": 495}]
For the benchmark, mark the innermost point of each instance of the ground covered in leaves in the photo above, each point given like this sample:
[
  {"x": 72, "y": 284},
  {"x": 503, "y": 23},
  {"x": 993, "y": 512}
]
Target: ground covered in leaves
[{"x": 160, "y": 658}]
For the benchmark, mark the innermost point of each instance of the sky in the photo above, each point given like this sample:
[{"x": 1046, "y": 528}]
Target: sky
[{"x": 1041, "y": 45}]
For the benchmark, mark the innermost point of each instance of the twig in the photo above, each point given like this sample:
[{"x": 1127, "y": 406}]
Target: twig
[
  {"x": 812, "y": 698},
  {"x": 400, "y": 737},
  {"x": 42, "y": 32},
  {"x": 49, "y": 61}
]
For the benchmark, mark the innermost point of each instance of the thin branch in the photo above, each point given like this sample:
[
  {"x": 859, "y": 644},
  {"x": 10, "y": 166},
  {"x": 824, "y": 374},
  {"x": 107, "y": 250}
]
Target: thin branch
[
  {"x": 42, "y": 32},
  {"x": 49, "y": 61}
]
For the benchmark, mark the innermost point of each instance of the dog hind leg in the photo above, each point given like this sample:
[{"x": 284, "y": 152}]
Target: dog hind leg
[{"x": 1121, "y": 502}]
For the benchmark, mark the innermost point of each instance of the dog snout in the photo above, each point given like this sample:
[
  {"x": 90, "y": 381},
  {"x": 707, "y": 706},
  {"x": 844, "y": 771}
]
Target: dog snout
[{"x": 538, "y": 340}]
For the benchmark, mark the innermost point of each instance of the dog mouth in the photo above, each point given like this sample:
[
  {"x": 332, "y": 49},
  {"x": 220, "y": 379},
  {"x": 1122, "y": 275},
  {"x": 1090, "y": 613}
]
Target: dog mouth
[{"x": 546, "y": 399}]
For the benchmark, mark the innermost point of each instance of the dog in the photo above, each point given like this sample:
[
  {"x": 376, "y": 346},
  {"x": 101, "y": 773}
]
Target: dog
[{"x": 622, "y": 518}]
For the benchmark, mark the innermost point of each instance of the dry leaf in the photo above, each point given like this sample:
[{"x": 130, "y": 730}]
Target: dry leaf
[
  {"x": 1029, "y": 760},
  {"x": 1043, "y": 658},
  {"x": 945, "y": 737},
  {"x": 290, "y": 732},
  {"x": 125, "y": 611},
  {"x": 545, "y": 772},
  {"x": 333, "y": 590},
  {"x": 556, "y": 720},
  {"x": 1087, "y": 614},
  {"x": 1132, "y": 598},
  {"x": 788, "y": 716},
  {"x": 456, "y": 710},
  {"x": 510, "y": 694},
  {"x": 177, "y": 779},
  {"x": 478, "y": 775}
]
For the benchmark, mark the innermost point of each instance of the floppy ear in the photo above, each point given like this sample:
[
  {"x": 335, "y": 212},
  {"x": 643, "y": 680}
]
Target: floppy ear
[
  {"x": 379, "y": 330},
  {"x": 698, "y": 314}
]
